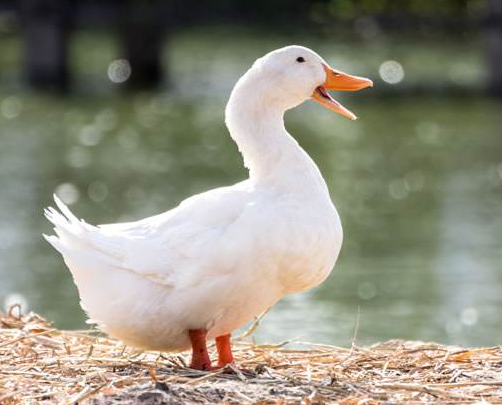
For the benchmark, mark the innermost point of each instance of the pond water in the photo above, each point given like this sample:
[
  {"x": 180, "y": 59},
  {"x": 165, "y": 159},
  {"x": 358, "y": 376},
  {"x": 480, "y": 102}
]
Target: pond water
[{"x": 417, "y": 182}]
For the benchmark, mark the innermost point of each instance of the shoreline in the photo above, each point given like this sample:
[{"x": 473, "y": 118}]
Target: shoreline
[{"x": 43, "y": 365}]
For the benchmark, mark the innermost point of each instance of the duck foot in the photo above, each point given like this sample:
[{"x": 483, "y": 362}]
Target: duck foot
[
  {"x": 224, "y": 349},
  {"x": 200, "y": 356}
]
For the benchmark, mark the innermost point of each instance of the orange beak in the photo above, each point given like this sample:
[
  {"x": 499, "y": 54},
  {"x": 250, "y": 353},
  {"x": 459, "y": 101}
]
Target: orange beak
[{"x": 339, "y": 81}]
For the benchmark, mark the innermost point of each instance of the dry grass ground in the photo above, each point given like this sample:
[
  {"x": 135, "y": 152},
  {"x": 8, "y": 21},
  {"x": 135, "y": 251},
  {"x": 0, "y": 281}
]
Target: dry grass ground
[{"x": 42, "y": 365}]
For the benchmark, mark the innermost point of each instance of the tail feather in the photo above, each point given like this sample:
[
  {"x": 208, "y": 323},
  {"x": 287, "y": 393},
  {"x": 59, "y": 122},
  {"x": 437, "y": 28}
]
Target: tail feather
[
  {"x": 74, "y": 235},
  {"x": 67, "y": 227},
  {"x": 55, "y": 242},
  {"x": 59, "y": 221},
  {"x": 65, "y": 210}
]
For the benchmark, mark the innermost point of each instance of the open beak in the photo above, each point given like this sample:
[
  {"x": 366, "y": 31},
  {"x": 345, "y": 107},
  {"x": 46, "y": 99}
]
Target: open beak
[{"x": 339, "y": 81}]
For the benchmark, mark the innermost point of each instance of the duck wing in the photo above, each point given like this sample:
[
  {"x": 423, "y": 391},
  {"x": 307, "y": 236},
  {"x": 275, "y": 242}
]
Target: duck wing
[{"x": 182, "y": 246}]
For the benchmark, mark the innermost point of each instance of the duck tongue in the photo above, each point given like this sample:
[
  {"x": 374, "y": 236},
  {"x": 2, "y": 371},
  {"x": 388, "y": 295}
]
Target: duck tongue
[
  {"x": 322, "y": 96},
  {"x": 336, "y": 80}
]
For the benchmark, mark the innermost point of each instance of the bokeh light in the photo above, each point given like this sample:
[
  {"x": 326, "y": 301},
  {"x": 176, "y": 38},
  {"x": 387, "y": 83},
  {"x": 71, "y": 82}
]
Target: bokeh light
[
  {"x": 391, "y": 72},
  {"x": 469, "y": 316},
  {"x": 98, "y": 191},
  {"x": 119, "y": 70},
  {"x": 68, "y": 193},
  {"x": 90, "y": 135},
  {"x": 16, "y": 299},
  {"x": 366, "y": 290},
  {"x": 398, "y": 189},
  {"x": 11, "y": 107}
]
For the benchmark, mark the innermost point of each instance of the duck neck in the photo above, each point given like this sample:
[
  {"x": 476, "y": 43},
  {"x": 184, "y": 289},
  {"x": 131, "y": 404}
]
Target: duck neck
[{"x": 269, "y": 152}]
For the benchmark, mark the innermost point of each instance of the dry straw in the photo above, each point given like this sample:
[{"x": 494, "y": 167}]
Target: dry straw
[{"x": 42, "y": 365}]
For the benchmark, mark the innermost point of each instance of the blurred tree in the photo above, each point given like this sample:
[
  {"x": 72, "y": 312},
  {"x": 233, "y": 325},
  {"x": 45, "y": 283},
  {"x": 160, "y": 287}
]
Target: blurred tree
[
  {"x": 142, "y": 35},
  {"x": 398, "y": 13},
  {"x": 46, "y": 26},
  {"x": 494, "y": 46},
  {"x": 143, "y": 25}
]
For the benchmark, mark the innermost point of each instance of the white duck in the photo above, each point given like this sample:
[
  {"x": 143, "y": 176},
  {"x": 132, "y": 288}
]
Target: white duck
[{"x": 221, "y": 257}]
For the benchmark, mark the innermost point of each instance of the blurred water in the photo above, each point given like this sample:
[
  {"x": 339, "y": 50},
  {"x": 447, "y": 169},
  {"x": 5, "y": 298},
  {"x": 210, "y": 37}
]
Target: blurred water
[{"x": 417, "y": 182}]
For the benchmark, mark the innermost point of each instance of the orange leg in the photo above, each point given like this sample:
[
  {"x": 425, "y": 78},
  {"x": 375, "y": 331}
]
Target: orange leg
[
  {"x": 224, "y": 350},
  {"x": 200, "y": 357}
]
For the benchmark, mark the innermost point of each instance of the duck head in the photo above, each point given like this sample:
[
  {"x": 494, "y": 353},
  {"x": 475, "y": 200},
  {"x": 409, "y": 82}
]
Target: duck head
[{"x": 287, "y": 77}]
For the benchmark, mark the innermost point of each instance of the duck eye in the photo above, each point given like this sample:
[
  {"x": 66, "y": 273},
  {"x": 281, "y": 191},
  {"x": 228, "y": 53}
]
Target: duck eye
[{"x": 300, "y": 59}]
